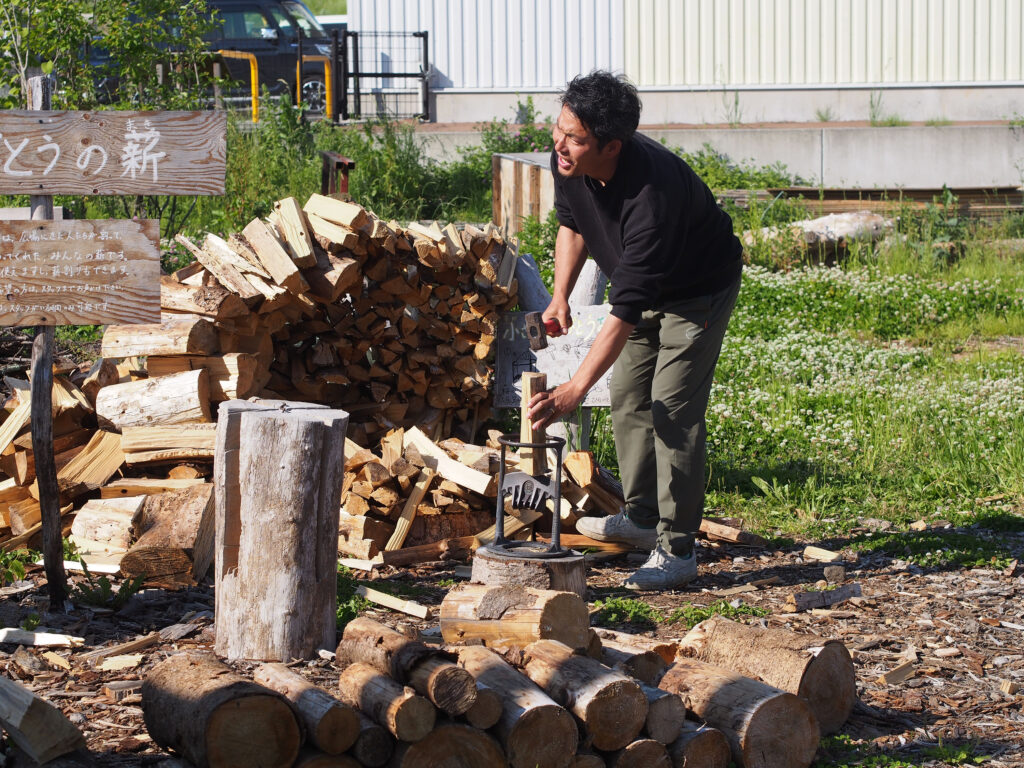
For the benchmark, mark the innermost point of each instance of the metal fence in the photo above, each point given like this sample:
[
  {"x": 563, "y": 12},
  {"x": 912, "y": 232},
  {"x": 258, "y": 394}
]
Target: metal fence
[{"x": 384, "y": 74}]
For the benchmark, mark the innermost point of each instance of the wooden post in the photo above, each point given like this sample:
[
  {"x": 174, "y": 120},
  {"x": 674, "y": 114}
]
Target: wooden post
[
  {"x": 42, "y": 400},
  {"x": 281, "y": 591}
]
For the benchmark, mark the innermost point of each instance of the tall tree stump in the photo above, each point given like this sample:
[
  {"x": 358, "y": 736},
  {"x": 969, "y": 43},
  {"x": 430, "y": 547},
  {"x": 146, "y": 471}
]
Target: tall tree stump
[
  {"x": 279, "y": 600},
  {"x": 199, "y": 707},
  {"x": 818, "y": 670},
  {"x": 766, "y": 727}
]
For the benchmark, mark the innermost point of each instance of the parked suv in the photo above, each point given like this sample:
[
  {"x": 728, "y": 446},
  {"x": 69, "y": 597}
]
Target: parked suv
[{"x": 270, "y": 29}]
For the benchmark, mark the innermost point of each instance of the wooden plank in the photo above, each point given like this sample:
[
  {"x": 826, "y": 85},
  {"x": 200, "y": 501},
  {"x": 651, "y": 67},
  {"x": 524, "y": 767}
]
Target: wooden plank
[
  {"x": 137, "y": 486},
  {"x": 91, "y": 272},
  {"x": 447, "y": 467},
  {"x": 404, "y": 522},
  {"x": 410, "y": 607},
  {"x": 115, "y": 153}
]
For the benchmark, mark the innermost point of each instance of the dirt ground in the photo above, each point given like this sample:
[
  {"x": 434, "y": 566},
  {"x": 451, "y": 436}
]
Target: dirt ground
[{"x": 962, "y": 629}]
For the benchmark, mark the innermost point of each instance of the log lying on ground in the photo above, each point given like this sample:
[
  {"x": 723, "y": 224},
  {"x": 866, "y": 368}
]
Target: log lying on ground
[
  {"x": 666, "y": 649},
  {"x": 174, "y": 543},
  {"x": 642, "y": 753},
  {"x": 818, "y": 670},
  {"x": 766, "y": 727},
  {"x": 331, "y": 725},
  {"x": 429, "y": 671},
  {"x": 533, "y": 729},
  {"x": 645, "y": 665},
  {"x": 508, "y": 616},
  {"x": 587, "y": 760},
  {"x": 450, "y": 744},
  {"x": 666, "y": 713},
  {"x": 176, "y": 399},
  {"x": 193, "y": 336},
  {"x": 37, "y": 727},
  {"x": 486, "y": 709},
  {"x": 700, "y": 745},
  {"x": 374, "y": 744},
  {"x": 611, "y": 706},
  {"x": 314, "y": 758},
  {"x": 197, "y": 706},
  {"x": 407, "y": 717}
]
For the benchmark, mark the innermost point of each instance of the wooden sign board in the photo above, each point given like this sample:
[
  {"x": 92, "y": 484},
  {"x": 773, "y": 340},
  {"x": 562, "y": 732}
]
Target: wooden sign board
[
  {"x": 90, "y": 272},
  {"x": 559, "y": 361},
  {"x": 112, "y": 153}
]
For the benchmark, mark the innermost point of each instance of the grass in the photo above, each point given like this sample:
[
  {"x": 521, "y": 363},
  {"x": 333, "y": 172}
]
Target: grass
[
  {"x": 631, "y": 610},
  {"x": 691, "y": 615},
  {"x": 842, "y": 751}
]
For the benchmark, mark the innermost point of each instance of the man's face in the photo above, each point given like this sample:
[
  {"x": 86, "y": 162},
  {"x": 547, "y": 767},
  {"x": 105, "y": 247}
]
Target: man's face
[{"x": 577, "y": 151}]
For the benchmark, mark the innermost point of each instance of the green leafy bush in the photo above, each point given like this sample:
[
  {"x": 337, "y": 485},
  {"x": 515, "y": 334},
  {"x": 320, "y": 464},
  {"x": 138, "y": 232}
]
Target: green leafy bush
[
  {"x": 99, "y": 591},
  {"x": 350, "y": 604},
  {"x": 618, "y": 610},
  {"x": 691, "y": 615}
]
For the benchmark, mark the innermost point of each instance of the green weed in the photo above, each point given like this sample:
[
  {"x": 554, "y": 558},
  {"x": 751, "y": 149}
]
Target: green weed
[
  {"x": 825, "y": 115},
  {"x": 619, "y": 610},
  {"x": 12, "y": 565},
  {"x": 30, "y": 622},
  {"x": 937, "y": 549},
  {"x": 691, "y": 615},
  {"x": 99, "y": 591},
  {"x": 350, "y": 604}
]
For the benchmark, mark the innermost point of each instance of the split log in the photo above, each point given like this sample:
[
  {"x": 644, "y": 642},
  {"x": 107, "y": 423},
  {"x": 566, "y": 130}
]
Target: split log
[
  {"x": 37, "y": 727},
  {"x": 176, "y": 399},
  {"x": 198, "y": 437},
  {"x": 563, "y": 574},
  {"x": 532, "y": 461},
  {"x": 642, "y": 753},
  {"x": 210, "y": 301},
  {"x": 174, "y": 541},
  {"x": 533, "y": 729},
  {"x": 486, "y": 709},
  {"x": 362, "y": 537},
  {"x": 289, "y": 465},
  {"x": 446, "y": 549},
  {"x": 718, "y": 531},
  {"x": 749, "y": 713},
  {"x": 198, "y": 706},
  {"x": 330, "y": 725},
  {"x": 429, "y": 671},
  {"x": 180, "y": 337},
  {"x": 700, "y": 745},
  {"x": 610, "y": 705},
  {"x": 818, "y": 670},
  {"x": 102, "y": 373},
  {"x": 142, "y": 486},
  {"x": 505, "y": 616},
  {"x": 233, "y": 375},
  {"x": 103, "y": 527},
  {"x": 273, "y": 256},
  {"x": 666, "y": 713},
  {"x": 91, "y": 468},
  {"x": 374, "y": 744},
  {"x": 291, "y": 222},
  {"x": 406, "y": 716},
  {"x": 450, "y": 744}
]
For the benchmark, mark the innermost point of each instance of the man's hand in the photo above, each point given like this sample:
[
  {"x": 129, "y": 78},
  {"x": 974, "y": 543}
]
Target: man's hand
[
  {"x": 557, "y": 310},
  {"x": 546, "y": 408}
]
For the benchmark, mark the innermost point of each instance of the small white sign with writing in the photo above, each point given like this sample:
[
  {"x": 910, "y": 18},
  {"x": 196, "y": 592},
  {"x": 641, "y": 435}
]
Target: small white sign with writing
[{"x": 560, "y": 360}]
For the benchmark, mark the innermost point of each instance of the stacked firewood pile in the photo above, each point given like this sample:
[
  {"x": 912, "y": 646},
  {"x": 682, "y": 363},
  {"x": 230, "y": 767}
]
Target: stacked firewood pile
[
  {"x": 529, "y": 692},
  {"x": 329, "y": 304}
]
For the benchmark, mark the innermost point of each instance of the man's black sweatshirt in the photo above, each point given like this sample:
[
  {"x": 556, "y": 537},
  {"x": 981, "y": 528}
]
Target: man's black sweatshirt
[{"x": 654, "y": 229}]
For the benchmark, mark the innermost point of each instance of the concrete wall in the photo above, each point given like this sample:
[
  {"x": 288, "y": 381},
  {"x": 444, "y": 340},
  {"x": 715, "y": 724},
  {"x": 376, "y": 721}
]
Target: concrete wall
[{"x": 918, "y": 157}]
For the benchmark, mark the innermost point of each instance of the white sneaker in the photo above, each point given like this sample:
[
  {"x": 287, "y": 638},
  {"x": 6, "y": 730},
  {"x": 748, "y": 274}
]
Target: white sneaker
[
  {"x": 662, "y": 571},
  {"x": 618, "y": 528}
]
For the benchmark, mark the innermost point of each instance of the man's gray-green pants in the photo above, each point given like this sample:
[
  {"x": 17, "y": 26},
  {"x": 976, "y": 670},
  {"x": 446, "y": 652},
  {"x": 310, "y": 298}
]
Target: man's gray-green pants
[{"x": 659, "y": 397}]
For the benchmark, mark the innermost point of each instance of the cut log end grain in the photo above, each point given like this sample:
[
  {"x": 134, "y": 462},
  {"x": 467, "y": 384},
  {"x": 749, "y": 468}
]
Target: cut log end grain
[
  {"x": 699, "y": 745},
  {"x": 196, "y": 705},
  {"x": 545, "y": 735},
  {"x": 449, "y": 687},
  {"x": 374, "y": 744},
  {"x": 311, "y": 758},
  {"x": 407, "y": 717},
  {"x": 616, "y": 714},
  {"x": 829, "y": 685},
  {"x": 642, "y": 753},
  {"x": 486, "y": 709},
  {"x": 451, "y": 744}
]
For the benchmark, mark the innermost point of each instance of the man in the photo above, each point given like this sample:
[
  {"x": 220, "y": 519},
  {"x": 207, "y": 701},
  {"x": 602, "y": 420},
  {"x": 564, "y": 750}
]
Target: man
[{"x": 674, "y": 264}]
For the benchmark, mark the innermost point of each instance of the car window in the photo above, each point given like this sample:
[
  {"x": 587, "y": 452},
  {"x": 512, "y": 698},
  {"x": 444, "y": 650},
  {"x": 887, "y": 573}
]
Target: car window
[
  {"x": 306, "y": 20},
  {"x": 283, "y": 21},
  {"x": 243, "y": 24}
]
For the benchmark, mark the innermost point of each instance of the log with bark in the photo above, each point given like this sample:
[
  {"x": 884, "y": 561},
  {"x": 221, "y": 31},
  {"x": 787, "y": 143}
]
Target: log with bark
[
  {"x": 642, "y": 753},
  {"x": 700, "y": 745},
  {"x": 406, "y": 715},
  {"x": 610, "y": 705},
  {"x": 816, "y": 669},
  {"x": 374, "y": 744},
  {"x": 429, "y": 671},
  {"x": 766, "y": 727},
  {"x": 450, "y": 744},
  {"x": 330, "y": 725},
  {"x": 533, "y": 729},
  {"x": 197, "y": 706}
]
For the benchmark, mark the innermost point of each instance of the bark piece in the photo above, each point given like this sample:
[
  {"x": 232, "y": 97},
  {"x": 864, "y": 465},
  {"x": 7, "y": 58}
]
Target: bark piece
[
  {"x": 766, "y": 727},
  {"x": 533, "y": 729},
  {"x": 330, "y": 725},
  {"x": 504, "y": 616},
  {"x": 407, "y": 717},
  {"x": 611, "y": 705},
  {"x": 816, "y": 669}
]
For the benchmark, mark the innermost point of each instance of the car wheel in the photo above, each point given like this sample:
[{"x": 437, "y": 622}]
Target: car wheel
[{"x": 314, "y": 96}]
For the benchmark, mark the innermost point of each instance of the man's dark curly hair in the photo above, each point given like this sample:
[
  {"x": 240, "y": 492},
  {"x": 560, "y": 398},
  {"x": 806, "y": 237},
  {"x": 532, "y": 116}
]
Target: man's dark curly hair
[{"x": 608, "y": 105}]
